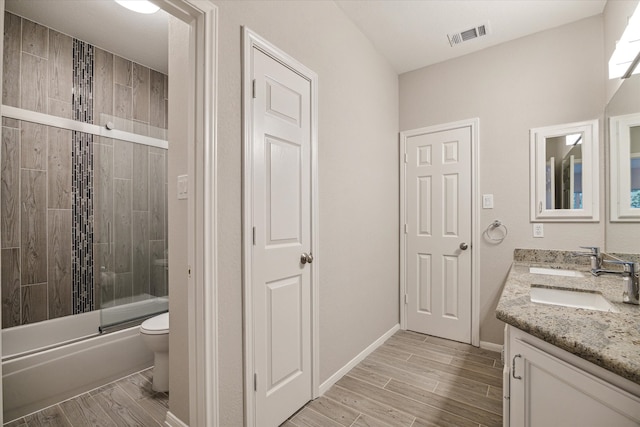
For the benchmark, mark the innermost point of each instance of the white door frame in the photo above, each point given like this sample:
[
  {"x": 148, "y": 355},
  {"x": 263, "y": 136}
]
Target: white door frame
[
  {"x": 252, "y": 40},
  {"x": 202, "y": 17},
  {"x": 474, "y": 124}
]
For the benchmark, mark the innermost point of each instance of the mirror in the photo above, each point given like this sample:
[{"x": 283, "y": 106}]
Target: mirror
[
  {"x": 564, "y": 175},
  {"x": 622, "y": 234},
  {"x": 624, "y": 145}
]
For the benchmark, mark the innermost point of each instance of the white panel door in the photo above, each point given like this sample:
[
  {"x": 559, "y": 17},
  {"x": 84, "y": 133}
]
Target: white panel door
[
  {"x": 281, "y": 283},
  {"x": 438, "y": 252}
]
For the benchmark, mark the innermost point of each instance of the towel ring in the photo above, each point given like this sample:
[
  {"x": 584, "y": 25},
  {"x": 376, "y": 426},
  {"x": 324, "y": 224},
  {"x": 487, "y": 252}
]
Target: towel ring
[{"x": 491, "y": 232}]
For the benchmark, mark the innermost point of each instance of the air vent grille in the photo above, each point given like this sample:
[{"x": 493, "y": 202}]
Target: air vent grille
[{"x": 469, "y": 34}]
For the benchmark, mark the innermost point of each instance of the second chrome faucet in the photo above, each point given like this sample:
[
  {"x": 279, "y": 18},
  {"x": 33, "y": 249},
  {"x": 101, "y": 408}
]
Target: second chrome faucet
[{"x": 630, "y": 273}]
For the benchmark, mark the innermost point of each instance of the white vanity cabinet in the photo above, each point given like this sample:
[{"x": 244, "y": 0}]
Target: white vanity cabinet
[{"x": 545, "y": 386}]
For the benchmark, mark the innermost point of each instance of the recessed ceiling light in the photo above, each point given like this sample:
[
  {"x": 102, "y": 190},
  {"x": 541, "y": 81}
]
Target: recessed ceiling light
[{"x": 140, "y": 6}]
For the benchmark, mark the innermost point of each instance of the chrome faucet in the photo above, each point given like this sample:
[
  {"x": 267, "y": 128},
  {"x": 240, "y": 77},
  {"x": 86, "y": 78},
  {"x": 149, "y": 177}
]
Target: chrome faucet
[
  {"x": 595, "y": 255},
  {"x": 630, "y": 272}
]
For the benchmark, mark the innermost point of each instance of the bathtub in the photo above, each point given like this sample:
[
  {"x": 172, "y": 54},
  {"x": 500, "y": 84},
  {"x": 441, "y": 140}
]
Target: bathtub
[{"x": 47, "y": 362}]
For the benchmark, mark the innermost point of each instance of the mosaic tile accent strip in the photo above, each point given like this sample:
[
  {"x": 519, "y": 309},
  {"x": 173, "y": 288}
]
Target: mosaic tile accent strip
[
  {"x": 82, "y": 81},
  {"x": 82, "y": 180}
]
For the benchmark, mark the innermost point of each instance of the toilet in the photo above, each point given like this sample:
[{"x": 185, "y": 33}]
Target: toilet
[{"x": 155, "y": 334}]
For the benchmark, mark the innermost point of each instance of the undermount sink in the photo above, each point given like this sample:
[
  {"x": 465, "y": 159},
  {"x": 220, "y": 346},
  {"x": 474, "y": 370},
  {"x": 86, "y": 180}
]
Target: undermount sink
[
  {"x": 569, "y": 298},
  {"x": 555, "y": 272}
]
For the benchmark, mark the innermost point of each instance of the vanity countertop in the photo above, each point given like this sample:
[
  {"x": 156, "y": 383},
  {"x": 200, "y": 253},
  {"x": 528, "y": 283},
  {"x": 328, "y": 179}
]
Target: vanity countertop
[{"x": 607, "y": 339}]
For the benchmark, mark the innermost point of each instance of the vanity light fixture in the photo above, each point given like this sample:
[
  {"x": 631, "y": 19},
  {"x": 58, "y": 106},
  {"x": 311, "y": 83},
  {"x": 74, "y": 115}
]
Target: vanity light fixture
[
  {"x": 626, "y": 56},
  {"x": 140, "y": 6}
]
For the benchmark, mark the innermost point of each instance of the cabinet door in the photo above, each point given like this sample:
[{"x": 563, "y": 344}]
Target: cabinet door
[
  {"x": 506, "y": 374},
  {"x": 546, "y": 391}
]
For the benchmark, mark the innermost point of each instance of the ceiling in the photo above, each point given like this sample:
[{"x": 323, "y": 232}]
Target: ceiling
[
  {"x": 410, "y": 33},
  {"x": 103, "y": 23},
  {"x": 413, "y": 34}
]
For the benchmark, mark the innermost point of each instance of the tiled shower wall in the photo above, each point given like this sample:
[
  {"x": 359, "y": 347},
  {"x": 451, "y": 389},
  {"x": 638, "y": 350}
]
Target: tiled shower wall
[{"x": 83, "y": 218}]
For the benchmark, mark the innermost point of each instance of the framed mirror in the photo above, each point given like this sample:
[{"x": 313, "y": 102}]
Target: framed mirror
[
  {"x": 564, "y": 173},
  {"x": 624, "y": 193}
]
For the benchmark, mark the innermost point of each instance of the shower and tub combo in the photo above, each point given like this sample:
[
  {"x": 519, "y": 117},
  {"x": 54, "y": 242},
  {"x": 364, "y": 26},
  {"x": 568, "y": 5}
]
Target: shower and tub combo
[
  {"x": 46, "y": 362},
  {"x": 83, "y": 218}
]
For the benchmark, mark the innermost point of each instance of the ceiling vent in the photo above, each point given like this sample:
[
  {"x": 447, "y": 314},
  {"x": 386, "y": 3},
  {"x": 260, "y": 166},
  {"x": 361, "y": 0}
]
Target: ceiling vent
[{"x": 470, "y": 34}]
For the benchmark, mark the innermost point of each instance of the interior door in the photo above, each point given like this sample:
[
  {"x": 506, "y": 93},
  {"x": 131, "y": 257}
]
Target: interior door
[
  {"x": 438, "y": 244},
  {"x": 281, "y": 270}
]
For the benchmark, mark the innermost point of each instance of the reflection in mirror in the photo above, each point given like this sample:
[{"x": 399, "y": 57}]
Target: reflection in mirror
[
  {"x": 625, "y": 168},
  {"x": 634, "y": 160},
  {"x": 564, "y": 172},
  {"x": 622, "y": 237}
]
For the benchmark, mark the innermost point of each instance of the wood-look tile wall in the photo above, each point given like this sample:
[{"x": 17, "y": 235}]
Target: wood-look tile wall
[
  {"x": 131, "y": 96},
  {"x": 36, "y": 222},
  {"x": 36, "y": 198}
]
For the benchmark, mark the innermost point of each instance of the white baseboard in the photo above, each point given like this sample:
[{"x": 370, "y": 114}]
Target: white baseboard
[
  {"x": 491, "y": 346},
  {"x": 173, "y": 421},
  {"x": 353, "y": 362}
]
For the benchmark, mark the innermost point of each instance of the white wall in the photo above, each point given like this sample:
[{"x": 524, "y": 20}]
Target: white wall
[
  {"x": 358, "y": 164},
  {"x": 549, "y": 78},
  {"x": 178, "y": 336},
  {"x": 511, "y": 88}
]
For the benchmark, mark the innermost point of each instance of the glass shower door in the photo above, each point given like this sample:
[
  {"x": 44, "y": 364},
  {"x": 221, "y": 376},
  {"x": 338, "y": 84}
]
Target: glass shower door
[{"x": 130, "y": 230}]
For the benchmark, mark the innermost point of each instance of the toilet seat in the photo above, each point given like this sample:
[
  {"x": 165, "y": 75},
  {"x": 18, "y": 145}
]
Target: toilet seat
[{"x": 157, "y": 325}]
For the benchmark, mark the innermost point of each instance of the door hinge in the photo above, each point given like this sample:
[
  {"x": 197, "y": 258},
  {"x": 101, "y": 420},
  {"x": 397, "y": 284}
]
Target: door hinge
[
  {"x": 254, "y": 236},
  {"x": 406, "y": 229},
  {"x": 255, "y": 382},
  {"x": 253, "y": 88},
  {"x": 406, "y": 298},
  {"x": 406, "y": 158}
]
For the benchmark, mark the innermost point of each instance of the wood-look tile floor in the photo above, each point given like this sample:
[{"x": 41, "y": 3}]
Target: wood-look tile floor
[
  {"x": 126, "y": 402},
  {"x": 413, "y": 380}
]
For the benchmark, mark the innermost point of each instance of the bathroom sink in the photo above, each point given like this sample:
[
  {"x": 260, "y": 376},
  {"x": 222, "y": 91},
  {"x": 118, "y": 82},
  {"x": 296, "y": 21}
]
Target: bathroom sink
[
  {"x": 555, "y": 272},
  {"x": 569, "y": 298}
]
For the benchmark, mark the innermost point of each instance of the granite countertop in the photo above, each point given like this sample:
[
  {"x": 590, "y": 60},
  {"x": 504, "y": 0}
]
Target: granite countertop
[{"x": 607, "y": 339}]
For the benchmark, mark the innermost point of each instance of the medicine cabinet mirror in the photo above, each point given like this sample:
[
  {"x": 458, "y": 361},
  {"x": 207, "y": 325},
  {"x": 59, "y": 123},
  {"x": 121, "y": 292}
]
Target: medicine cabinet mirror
[
  {"x": 624, "y": 137},
  {"x": 564, "y": 173}
]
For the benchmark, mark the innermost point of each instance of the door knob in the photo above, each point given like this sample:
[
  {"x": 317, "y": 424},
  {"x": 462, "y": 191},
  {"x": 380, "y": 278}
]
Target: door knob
[
  {"x": 464, "y": 246},
  {"x": 306, "y": 258}
]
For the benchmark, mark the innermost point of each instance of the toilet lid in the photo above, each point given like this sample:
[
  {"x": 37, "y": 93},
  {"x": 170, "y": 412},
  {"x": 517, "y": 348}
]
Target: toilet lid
[{"x": 156, "y": 325}]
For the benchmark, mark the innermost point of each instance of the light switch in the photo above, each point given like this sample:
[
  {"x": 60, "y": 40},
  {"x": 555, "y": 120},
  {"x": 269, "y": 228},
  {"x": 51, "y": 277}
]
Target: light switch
[
  {"x": 538, "y": 230},
  {"x": 183, "y": 187},
  {"x": 487, "y": 201}
]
